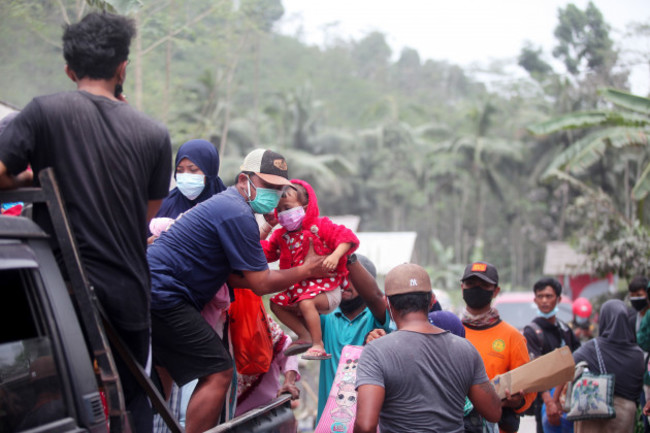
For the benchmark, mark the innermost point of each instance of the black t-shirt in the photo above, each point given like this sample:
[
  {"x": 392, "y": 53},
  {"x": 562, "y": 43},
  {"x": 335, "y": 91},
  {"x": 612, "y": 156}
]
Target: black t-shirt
[
  {"x": 109, "y": 160},
  {"x": 553, "y": 336}
]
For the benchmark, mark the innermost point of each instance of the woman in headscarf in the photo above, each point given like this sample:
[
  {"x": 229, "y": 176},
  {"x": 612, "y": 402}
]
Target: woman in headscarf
[
  {"x": 622, "y": 358},
  {"x": 197, "y": 179}
]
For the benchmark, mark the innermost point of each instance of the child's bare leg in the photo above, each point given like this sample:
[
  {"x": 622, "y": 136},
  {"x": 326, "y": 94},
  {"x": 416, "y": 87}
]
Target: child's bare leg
[
  {"x": 289, "y": 317},
  {"x": 310, "y": 312}
]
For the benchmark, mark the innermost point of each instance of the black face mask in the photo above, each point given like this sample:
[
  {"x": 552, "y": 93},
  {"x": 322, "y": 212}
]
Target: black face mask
[
  {"x": 350, "y": 305},
  {"x": 476, "y": 297},
  {"x": 639, "y": 303}
]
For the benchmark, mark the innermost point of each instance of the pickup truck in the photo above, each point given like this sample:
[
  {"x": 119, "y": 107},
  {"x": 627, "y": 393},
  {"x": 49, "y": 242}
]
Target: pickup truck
[{"x": 48, "y": 377}]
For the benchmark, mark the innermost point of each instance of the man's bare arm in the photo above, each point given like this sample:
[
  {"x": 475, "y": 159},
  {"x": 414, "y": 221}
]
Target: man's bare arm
[
  {"x": 369, "y": 290},
  {"x": 267, "y": 281},
  {"x": 486, "y": 401},
  {"x": 8, "y": 181},
  {"x": 370, "y": 399}
]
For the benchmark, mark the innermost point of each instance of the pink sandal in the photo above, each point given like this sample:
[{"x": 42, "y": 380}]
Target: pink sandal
[{"x": 316, "y": 355}]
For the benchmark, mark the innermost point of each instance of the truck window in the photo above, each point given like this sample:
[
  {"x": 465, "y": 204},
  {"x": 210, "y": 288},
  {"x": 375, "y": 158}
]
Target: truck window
[{"x": 30, "y": 388}]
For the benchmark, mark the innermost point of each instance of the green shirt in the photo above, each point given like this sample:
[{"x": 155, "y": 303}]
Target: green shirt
[
  {"x": 643, "y": 340},
  {"x": 339, "y": 331}
]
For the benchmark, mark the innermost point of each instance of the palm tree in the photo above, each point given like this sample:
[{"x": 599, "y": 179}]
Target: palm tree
[
  {"x": 615, "y": 143},
  {"x": 483, "y": 164},
  {"x": 621, "y": 129}
]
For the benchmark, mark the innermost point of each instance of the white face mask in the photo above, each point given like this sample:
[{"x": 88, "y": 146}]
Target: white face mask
[
  {"x": 190, "y": 185},
  {"x": 548, "y": 315}
]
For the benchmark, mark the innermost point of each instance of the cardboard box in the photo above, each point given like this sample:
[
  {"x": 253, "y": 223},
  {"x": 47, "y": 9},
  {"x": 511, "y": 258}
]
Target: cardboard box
[{"x": 541, "y": 374}]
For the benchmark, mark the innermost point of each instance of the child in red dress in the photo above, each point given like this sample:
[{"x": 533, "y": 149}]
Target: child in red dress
[{"x": 299, "y": 307}]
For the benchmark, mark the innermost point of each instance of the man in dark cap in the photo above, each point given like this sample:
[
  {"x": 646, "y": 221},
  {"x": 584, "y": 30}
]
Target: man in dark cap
[
  {"x": 402, "y": 376},
  {"x": 500, "y": 344}
]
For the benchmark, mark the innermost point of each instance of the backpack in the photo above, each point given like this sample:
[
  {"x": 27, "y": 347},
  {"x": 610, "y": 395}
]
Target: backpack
[
  {"x": 250, "y": 333},
  {"x": 536, "y": 407}
]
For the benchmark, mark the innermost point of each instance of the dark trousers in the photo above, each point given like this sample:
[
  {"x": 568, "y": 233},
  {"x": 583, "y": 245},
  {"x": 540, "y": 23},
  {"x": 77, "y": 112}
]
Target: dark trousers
[
  {"x": 136, "y": 399},
  {"x": 538, "y": 413}
]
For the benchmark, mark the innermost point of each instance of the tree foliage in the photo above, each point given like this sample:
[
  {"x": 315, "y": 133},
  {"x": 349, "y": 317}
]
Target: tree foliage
[
  {"x": 583, "y": 39},
  {"x": 611, "y": 243},
  {"x": 614, "y": 237},
  {"x": 407, "y": 144}
]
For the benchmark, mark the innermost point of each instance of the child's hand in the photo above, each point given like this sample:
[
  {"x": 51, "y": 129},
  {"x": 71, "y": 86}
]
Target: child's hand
[{"x": 330, "y": 262}]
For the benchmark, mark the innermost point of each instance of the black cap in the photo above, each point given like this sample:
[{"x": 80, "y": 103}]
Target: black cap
[
  {"x": 484, "y": 271},
  {"x": 368, "y": 264}
]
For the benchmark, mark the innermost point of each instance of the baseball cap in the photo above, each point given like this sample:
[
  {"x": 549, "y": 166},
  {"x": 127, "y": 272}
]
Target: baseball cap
[
  {"x": 268, "y": 165},
  {"x": 368, "y": 264},
  {"x": 484, "y": 271},
  {"x": 407, "y": 278}
]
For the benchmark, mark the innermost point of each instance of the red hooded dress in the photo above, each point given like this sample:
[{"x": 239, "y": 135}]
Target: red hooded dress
[{"x": 292, "y": 247}]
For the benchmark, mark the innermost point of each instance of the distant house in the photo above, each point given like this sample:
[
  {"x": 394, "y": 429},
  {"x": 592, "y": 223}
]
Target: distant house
[
  {"x": 350, "y": 221},
  {"x": 569, "y": 267},
  {"x": 387, "y": 249}
]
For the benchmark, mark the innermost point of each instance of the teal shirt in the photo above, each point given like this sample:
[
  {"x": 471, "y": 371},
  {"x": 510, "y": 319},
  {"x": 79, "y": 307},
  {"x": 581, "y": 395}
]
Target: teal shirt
[{"x": 339, "y": 331}]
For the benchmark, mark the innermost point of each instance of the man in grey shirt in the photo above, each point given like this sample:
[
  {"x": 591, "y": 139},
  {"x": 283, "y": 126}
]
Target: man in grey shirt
[{"x": 416, "y": 379}]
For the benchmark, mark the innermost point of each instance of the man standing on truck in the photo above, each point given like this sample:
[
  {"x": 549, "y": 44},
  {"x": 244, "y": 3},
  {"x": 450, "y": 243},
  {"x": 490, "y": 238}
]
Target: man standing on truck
[
  {"x": 216, "y": 241},
  {"x": 113, "y": 165}
]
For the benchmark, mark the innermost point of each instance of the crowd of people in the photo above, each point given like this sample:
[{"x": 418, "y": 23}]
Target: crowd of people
[{"x": 167, "y": 264}]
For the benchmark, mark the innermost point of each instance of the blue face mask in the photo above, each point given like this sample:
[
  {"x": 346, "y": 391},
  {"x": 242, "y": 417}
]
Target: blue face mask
[
  {"x": 190, "y": 185},
  {"x": 548, "y": 315},
  {"x": 265, "y": 200}
]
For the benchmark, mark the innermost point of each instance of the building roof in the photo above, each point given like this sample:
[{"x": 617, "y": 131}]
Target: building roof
[
  {"x": 562, "y": 259},
  {"x": 387, "y": 249},
  {"x": 350, "y": 221}
]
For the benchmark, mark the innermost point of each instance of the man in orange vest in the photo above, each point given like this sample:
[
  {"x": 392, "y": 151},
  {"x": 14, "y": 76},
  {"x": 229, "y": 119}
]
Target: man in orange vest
[{"x": 500, "y": 344}]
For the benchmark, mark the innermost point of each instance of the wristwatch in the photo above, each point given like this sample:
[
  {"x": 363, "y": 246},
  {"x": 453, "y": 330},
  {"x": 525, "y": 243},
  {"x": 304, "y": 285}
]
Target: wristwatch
[{"x": 352, "y": 258}]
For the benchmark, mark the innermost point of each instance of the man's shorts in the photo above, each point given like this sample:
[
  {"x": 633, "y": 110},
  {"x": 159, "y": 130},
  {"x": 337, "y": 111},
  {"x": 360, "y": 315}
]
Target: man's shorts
[{"x": 186, "y": 345}]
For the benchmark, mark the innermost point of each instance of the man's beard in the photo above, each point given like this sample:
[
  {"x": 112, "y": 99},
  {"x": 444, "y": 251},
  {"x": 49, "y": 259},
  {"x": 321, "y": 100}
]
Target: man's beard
[{"x": 350, "y": 305}]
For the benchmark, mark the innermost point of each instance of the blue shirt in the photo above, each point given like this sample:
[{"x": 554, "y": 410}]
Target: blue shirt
[
  {"x": 193, "y": 259},
  {"x": 339, "y": 331}
]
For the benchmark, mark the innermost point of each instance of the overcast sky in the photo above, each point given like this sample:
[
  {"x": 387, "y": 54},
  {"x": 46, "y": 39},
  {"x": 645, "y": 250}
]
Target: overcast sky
[{"x": 461, "y": 31}]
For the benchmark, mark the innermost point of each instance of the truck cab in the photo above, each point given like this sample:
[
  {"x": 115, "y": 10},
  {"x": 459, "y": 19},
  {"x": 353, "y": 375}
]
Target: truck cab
[{"x": 47, "y": 379}]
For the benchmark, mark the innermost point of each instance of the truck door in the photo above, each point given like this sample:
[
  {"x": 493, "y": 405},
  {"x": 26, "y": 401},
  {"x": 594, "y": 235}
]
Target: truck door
[{"x": 40, "y": 388}]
